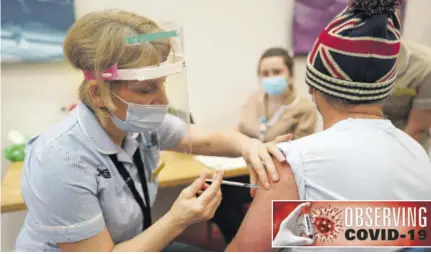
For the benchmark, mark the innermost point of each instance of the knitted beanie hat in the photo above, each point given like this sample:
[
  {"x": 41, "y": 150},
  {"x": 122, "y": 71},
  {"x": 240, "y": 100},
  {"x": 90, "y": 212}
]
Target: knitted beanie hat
[{"x": 354, "y": 57}]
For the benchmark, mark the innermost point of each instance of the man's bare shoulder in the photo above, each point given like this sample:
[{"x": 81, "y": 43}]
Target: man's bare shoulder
[{"x": 255, "y": 233}]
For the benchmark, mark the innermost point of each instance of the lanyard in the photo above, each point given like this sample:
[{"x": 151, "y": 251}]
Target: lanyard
[{"x": 146, "y": 209}]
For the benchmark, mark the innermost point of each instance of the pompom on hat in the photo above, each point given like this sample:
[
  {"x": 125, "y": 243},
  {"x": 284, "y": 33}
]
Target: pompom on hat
[{"x": 354, "y": 58}]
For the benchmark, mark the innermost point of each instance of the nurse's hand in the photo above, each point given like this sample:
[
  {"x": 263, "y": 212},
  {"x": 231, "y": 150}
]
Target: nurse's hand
[
  {"x": 198, "y": 202},
  {"x": 259, "y": 161}
]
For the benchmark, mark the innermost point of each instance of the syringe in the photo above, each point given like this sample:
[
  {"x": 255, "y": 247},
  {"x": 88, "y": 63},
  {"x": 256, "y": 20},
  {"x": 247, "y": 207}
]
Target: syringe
[{"x": 245, "y": 185}]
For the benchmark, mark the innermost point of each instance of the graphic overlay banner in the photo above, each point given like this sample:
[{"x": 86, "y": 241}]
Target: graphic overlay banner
[{"x": 351, "y": 223}]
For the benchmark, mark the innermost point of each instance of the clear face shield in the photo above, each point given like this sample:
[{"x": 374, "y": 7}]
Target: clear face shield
[{"x": 159, "y": 86}]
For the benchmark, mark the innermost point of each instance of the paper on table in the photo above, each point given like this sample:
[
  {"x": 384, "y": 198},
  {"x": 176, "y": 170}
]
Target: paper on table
[{"x": 221, "y": 163}]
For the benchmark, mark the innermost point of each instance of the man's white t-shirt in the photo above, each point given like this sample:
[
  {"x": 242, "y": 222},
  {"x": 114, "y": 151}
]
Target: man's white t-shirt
[{"x": 360, "y": 159}]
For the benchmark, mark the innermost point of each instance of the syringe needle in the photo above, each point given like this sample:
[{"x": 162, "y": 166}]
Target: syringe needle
[{"x": 232, "y": 183}]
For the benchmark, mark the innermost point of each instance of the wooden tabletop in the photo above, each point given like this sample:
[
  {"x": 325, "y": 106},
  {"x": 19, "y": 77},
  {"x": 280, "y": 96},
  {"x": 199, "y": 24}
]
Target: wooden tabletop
[
  {"x": 179, "y": 169},
  {"x": 11, "y": 199}
]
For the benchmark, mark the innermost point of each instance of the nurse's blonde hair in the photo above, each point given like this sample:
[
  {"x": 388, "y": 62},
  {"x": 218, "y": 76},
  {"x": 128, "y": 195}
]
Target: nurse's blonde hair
[{"x": 97, "y": 41}]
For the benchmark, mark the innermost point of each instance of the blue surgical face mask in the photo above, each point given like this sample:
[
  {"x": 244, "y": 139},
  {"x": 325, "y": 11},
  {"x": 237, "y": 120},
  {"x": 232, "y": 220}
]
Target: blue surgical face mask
[
  {"x": 141, "y": 118},
  {"x": 274, "y": 85}
]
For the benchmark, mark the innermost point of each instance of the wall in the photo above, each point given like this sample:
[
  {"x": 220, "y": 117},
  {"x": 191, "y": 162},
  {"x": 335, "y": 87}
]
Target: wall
[
  {"x": 223, "y": 40},
  {"x": 418, "y": 22}
]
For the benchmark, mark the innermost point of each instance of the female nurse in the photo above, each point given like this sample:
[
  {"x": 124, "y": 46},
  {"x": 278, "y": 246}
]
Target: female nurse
[{"x": 87, "y": 180}]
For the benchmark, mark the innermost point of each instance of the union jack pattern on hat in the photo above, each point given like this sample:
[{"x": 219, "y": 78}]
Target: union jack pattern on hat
[{"x": 354, "y": 57}]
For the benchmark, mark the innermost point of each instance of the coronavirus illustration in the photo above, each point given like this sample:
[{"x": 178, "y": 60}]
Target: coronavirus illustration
[{"x": 328, "y": 223}]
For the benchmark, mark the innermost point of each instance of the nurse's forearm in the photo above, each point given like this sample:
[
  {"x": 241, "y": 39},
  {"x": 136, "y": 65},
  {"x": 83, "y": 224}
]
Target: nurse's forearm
[
  {"x": 153, "y": 239},
  {"x": 227, "y": 143}
]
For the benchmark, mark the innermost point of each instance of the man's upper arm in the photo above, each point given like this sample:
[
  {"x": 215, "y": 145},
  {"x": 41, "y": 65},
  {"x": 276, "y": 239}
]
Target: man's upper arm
[{"x": 255, "y": 233}]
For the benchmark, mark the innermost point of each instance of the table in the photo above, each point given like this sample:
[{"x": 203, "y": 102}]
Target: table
[{"x": 179, "y": 169}]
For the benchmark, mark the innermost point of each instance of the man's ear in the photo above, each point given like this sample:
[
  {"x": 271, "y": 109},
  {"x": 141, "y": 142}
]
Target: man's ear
[{"x": 96, "y": 94}]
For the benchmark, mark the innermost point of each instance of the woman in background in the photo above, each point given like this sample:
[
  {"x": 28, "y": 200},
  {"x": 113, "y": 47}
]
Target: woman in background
[
  {"x": 273, "y": 111},
  {"x": 276, "y": 109}
]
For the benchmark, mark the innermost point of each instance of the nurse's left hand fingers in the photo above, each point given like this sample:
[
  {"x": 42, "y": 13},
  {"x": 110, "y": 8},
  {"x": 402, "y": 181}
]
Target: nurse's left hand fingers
[
  {"x": 269, "y": 164},
  {"x": 211, "y": 192},
  {"x": 275, "y": 152},
  {"x": 283, "y": 138},
  {"x": 257, "y": 166},
  {"x": 272, "y": 147}
]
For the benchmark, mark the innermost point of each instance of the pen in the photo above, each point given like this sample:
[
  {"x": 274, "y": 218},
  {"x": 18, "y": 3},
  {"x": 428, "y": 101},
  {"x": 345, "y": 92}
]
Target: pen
[{"x": 245, "y": 185}]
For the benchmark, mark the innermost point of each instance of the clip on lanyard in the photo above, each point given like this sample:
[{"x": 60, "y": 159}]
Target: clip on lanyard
[{"x": 146, "y": 209}]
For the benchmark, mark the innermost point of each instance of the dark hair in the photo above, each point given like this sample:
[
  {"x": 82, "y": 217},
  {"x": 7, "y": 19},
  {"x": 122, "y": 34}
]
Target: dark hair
[
  {"x": 283, "y": 53},
  {"x": 339, "y": 102},
  {"x": 335, "y": 101}
]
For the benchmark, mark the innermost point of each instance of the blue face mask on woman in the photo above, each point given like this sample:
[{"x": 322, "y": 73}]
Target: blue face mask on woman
[
  {"x": 274, "y": 85},
  {"x": 140, "y": 118}
]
